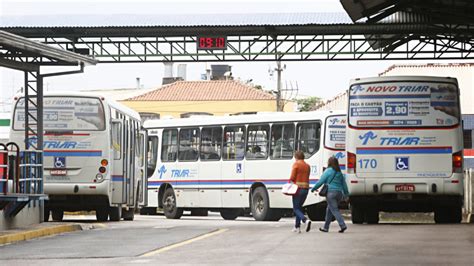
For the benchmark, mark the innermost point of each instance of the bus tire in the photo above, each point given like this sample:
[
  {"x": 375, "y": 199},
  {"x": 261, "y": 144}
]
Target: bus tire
[
  {"x": 102, "y": 215},
  {"x": 148, "y": 211},
  {"x": 316, "y": 212},
  {"x": 372, "y": 216},
  {"x": 46, "y": 215},
  {"x": 230, "y": 214},
  {"x": 448, "y": 214},
  {"x": 128, "y": 215},
  {"x": 260, "y": 205},
  {"x": 199, "y": 212},
  {"x": 357, "y": 214},
  {"x": 57, "y": 215},
  {"x": 170, "y": 208},
  {"x": 115, "y": 213}
]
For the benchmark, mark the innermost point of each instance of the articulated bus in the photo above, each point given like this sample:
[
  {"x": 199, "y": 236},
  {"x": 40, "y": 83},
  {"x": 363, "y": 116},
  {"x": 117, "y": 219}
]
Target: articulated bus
[
  {"x": 238, "y": 164},
  {"x": 94, "y": 155},
  {"x": 405, "y": 147}
]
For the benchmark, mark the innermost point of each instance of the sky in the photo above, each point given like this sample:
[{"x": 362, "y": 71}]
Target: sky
[{"x": 323, "y": 79}]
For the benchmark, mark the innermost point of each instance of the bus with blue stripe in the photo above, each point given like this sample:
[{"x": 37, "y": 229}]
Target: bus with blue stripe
[
  {"x": 405, "y": 147},
  {"x": 237, "y": 164},
  {"x": 94, "y": 155}
]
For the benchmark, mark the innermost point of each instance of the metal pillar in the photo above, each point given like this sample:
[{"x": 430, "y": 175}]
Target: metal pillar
[{"x": 34, "y": 126}]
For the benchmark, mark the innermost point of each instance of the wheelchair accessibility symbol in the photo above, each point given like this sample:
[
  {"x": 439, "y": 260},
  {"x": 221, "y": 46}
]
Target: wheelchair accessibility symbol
[
  {"x": 402, "y": 163},
  {"x": 59, "y": 162}
]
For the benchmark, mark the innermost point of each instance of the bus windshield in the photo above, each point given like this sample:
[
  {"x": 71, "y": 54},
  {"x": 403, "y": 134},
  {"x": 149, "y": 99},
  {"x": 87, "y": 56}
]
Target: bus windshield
[
  {"x": 404, "y": 104},
  {"x": 65, "y": 114},
  {"x": 335, "y": 137}
]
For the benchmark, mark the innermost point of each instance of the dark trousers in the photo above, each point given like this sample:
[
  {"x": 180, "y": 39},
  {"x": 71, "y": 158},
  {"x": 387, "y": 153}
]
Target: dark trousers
[{"x": 298, "y": 200}]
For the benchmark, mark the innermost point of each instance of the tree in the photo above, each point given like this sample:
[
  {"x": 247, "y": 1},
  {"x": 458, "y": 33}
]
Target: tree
[{"x": 308, "y": 104}]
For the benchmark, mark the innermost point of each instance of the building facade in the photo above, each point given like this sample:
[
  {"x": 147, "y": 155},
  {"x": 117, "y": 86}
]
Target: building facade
[{"x": 214, "y": 97}]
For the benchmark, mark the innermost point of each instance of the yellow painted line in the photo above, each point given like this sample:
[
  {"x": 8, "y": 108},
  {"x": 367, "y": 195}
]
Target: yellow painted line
[
  {"x": 180, "y": 244},
  {"x": 47, "y": 231}
]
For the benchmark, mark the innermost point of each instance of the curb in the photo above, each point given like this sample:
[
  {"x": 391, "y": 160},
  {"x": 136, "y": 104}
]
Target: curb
[{"x": 53, "y": 230}]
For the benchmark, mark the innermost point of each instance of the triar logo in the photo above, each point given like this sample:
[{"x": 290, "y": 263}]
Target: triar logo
[
  {"x": 339, "y": 155},
  {"x": 356, "y": 89},
  {"x": 334, "y": 121},
  {"x": 162, "y": 171},
  {"x": 365, "y": 138}
]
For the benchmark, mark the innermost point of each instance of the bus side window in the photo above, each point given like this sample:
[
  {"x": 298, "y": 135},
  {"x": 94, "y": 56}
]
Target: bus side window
[
  {"x": 283, "y": 141},
  {"x": 308, "y": 138},
  {"x": 234, "y": 143},
  {"x": 169, "y": 147},
  {"x": 117, "y": 139},
  {"x": 211, "y": 144},
  {"x": 257, "y": 142},
  {"x": 188, "y": 144},
  {"x": 152, "y": 154}
]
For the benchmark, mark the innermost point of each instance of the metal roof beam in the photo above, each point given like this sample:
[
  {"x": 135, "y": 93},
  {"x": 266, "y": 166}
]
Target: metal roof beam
[
  {"x": 18, "y": 65},
  {"x": 25, "y": 44}
]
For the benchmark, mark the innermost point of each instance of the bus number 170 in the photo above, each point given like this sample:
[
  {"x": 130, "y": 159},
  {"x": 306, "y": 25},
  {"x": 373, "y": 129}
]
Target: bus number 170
[{"x": 366, "y": 163}]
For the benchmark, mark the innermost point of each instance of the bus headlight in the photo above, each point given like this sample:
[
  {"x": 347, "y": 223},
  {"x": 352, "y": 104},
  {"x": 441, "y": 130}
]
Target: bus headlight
[{"x": 99, "y": 177}]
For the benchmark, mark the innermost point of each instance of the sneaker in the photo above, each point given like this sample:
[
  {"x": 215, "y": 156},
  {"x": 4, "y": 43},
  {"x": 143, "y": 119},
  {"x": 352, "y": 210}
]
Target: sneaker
[
  {"x": 342, "y": 230},
  {"x": 296, "y": 230},
  {"x": 323, "y": 230},
  {"x": 308, "y": 226}
]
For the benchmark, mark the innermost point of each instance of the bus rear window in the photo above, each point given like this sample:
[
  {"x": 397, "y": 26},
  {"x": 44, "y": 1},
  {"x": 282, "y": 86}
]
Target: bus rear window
[
  {"x": 65, "y": 114},
  {"x": 335, "y": 136},
  {"x": 404, "y": 104}
]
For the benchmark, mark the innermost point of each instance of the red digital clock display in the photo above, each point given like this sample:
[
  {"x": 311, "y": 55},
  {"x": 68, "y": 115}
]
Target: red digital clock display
[{"x": 211, "y": 43}]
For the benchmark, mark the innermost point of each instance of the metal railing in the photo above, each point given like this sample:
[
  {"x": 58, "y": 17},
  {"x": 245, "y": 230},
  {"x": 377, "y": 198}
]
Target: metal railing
[{"x": 21, "y": 178}]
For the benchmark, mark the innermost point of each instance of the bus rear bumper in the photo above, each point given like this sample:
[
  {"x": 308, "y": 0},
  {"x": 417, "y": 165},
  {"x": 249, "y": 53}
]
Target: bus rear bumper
[{"x": 407, "y": 203}]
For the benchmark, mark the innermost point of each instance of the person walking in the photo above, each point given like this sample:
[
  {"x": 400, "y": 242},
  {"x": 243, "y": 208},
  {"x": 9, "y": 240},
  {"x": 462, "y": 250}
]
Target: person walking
[
  {"x": 337, "y": 191},
  {"x": 300, "y": 176}
]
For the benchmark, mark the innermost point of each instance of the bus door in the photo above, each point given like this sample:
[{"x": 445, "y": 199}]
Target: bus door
[
  {"x": 142, "y": 196},
  {"x": 131, "y": 180},
  {"x": 119, "y": 145}
]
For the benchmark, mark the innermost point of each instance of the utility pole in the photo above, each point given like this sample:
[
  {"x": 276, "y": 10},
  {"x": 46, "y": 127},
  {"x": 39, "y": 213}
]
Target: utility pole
[{"x": 279, "y": 105}]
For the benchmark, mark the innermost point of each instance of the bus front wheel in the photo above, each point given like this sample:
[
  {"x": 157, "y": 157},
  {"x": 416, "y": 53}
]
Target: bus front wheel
[
  {"x": 128, "y": 215},
  {"x": 57, "y": 215},
  {"x": 170, "y": 208},
  {"x": 102, "y": 214}
]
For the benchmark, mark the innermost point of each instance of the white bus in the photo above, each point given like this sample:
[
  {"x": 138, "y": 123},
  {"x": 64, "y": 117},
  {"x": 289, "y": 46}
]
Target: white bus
[
  {"x": 237, "y": 163},
  {"x": 94, "y": 156},
  {"x": 404, "y": 147}
]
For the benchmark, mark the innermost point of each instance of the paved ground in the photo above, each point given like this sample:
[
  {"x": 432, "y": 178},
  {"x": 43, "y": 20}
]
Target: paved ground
[{"x": 210, "y": 240}]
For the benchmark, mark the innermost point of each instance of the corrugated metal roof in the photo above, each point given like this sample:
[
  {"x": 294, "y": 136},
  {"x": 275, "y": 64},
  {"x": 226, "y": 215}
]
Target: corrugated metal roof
[
  {"x": 214, "y": 90},
  {"x": 181, "y": 20}
]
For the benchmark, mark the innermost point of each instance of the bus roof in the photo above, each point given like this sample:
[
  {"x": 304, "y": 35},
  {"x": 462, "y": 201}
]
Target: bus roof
[
  {"x": 403, "y": 78},
  {"x": 116, "y": 105},
  {"x": 240, "y": 119}
]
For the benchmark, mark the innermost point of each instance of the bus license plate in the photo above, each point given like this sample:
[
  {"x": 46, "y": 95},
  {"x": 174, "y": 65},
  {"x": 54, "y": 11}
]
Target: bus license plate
[
  {"x": 58, "y": 172},
  {"x": 405, "y": 188}
]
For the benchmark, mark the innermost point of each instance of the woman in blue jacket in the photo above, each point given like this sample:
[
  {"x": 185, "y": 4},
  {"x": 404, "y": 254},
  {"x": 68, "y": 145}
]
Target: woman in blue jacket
[{"x": 337, "y": 190}]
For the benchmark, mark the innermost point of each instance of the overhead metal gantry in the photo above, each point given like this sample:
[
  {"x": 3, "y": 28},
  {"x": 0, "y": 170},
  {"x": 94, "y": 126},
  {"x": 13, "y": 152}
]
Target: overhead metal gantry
[{"x": 261, "y": 42}]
